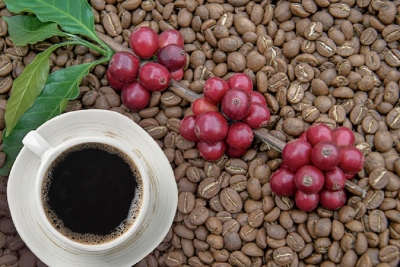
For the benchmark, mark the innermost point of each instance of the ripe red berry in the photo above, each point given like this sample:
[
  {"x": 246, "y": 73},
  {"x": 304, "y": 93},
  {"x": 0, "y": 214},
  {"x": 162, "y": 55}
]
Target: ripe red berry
[
  {"x": 236, "y": 104},
  {"x": 332, "y": 200},
  {"x": 134, "y": 96},
  {"x": 186, "y": 128},
  {"x": 257, "y": 97},
  {"x": 283, "y": 165},
  {"x": 349, "y": 176},
  {"x": 282, "y": 183},
  {"x": 172, "y": 56},
  {"x": 309, "y": 179},
  {"x": 242, "y": 81},
  {"x": 202, "y": 105},
  {"x": 154, "y": 76},
  {"x": 168, "y": 37},
  {"x": 303, "y": 136},
  {"x": 325, "y": 155},
  {"x": 351, "y": 159},
  {"x": 114, "y": 83},
  {"x": 124, "y": 67},
  {"x": 296, "y": 154},
  {"x": 306, "y": 202},
  {"x": 211, "y": 127},
  {"x": 239, "y": 135},
  {"x": 235, "y": 152},
  {"x": 177, "y": 75},
  {"x": 211, "y": 151},
  {"x": 334, "y": 179},
  {"x": 258, "y": 116},
  {"x": 343, "y": 136},
  {"x": 319, "y": 132},
  {"x": 144, "y": 42},
  {"x": 214, "y": 89}
]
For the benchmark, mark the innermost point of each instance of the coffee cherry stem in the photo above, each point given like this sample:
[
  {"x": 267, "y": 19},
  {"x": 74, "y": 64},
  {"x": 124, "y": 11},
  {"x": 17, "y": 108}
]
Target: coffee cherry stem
[
  {"x": 175, "y": 87},
  {"x": 115, "y": 46},
  {"x": 279, "y": 145},
  {"x": 191, "y": 96},
  {"x": 183, "y": 92},
  {"x": 261, "y": 133}
]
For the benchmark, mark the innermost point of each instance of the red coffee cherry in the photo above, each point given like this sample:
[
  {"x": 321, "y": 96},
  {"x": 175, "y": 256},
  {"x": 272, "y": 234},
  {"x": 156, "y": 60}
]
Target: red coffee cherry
[
  {"x": 214, "y": 89},
  {"x": 186, "y": 128},
  {"x": 319, "y": 132},
  {"x": 211, "y": 127},
  {"x": 239, "y": 135},
  {"x": 334, "y": 179},
  {"x": 309, "y": 179},
  {"x": 306, "y": 202},
  {"x": 332, "y": 200},
  {"x": 135, "y": 96},
  {"x": 144, "y": 42},
  {"x": 211, "y": 151},
  {"x": 282, "y": 183},
  {"x": 240, "y": 80},
  {"x": 351, "y": 159},
  {"x": 296, "y": 154},
  {"x": 154, "y": 76},
  {"x": 343, "y": 136},
  {"x": 202, "y": 105},
  {"x": 236, "y": 104},
  {"x": 325, "y": 155}
]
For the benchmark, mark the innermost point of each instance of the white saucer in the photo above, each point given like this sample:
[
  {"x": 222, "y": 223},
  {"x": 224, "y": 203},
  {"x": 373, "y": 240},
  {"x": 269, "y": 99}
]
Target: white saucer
[{"x": 89, "y": 123}]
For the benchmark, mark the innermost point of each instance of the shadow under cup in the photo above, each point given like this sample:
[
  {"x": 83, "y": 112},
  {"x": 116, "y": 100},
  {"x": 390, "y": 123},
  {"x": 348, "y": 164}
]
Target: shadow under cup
[{"x": 92, "y": 195}]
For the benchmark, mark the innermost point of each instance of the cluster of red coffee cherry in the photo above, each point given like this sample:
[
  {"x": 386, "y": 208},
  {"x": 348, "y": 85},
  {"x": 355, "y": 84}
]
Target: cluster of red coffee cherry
[
  {"x": 315, "y": 167},
  {"x": 124, "y": 67},
  {"x": 223, "y": 119}
]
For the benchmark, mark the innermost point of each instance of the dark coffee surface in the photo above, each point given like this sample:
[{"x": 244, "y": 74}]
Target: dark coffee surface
[{"x": 91, "y": 190}]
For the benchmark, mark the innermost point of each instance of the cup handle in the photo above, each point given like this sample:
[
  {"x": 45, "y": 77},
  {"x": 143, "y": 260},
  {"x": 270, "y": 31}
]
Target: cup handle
[{"x": 36, "y": 144}]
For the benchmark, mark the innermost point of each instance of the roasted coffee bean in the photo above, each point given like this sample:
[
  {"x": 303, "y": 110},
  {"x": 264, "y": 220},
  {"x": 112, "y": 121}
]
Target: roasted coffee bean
[
  {"x": 378, "y": 221},
  {"x": 5, "y": 65},
  {"x": 230, "y": 200},
  {"x": 208, "y": 188},
  {"x": 236, "y": 166},
  {"x": 199, "y": 215},
  {"x": 295, "y": 242},
  {"x": 238, "y": 258},
  {"x": 373, "y": 199},
  {"x": 335, "y": 253},
  {"x": 252, "y": 250},
  {"x": 283, "y": 256},
  {"x": 325, "y": 47},
  {"x": 389, "y": 254},
  {"x": 186, "y": 202},
  {"x": 349, "y": 259},
  {"x": 112, "y": 24},
  {"x": 9, "y": 260},
  {"x": 379, "y": 178}
]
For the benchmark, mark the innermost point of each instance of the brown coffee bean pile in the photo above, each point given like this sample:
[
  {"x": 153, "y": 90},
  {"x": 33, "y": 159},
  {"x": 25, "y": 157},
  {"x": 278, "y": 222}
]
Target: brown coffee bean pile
[{"x": 316, "y": 61}]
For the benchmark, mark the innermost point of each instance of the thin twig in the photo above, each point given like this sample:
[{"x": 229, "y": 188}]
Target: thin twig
[
  {"x": 114, "y": 45},
  {"x": 279, "y": 145},
  {"x": 181, "y": 91},
  {"x": 262, "y": 133},
  {"x": 191, "y": 96}
]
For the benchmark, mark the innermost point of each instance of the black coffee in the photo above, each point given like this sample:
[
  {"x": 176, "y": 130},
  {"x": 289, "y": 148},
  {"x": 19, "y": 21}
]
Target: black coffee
[{"x": 91, "y": 193}]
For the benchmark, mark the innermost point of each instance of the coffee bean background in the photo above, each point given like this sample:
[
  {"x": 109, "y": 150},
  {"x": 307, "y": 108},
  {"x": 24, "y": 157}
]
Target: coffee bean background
[{"x": 316, "y": 61}]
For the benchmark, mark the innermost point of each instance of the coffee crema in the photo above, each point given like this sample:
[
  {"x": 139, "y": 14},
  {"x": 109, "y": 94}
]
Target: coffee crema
[{"x": 92, "y": 193}]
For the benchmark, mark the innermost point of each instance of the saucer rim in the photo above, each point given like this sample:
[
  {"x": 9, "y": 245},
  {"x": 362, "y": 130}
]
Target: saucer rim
[{"x": 22, "y": 173}]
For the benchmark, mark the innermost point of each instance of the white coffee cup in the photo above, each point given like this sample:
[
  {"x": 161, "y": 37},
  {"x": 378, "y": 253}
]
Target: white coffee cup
[{"x": 157, "y": 205}]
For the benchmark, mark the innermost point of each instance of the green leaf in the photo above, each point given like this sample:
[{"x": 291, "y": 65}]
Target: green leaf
[
  {"x": 28, "y": 86},
  {"x": 74, "y": 16},
  {"x": 26, "y": 29},
  {"x": 61, "y": 86}
]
